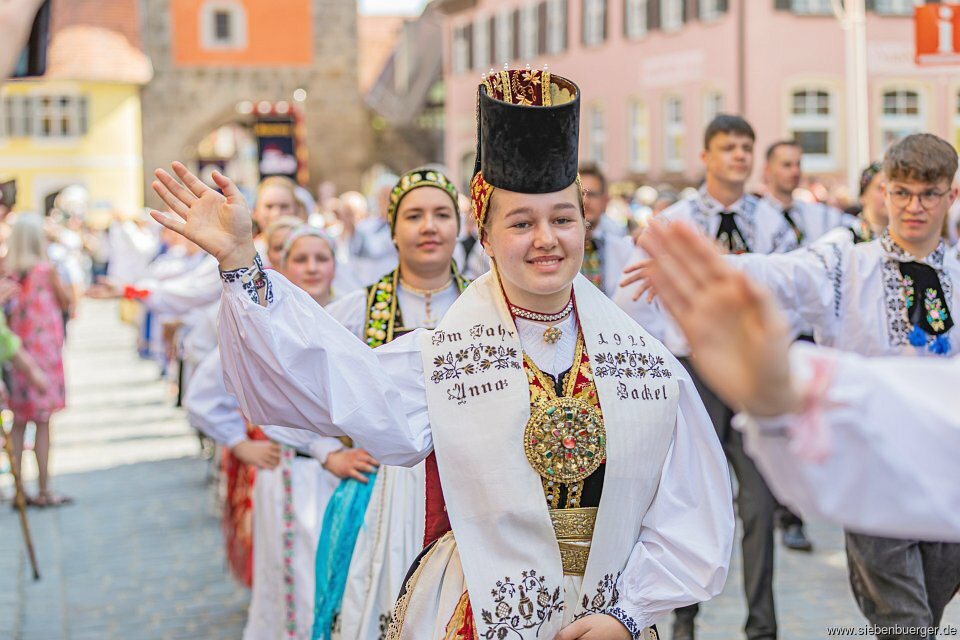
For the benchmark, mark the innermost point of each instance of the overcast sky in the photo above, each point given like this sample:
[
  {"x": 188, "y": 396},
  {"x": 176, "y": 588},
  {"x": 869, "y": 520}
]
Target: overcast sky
[{"x": 392, "y": 7}]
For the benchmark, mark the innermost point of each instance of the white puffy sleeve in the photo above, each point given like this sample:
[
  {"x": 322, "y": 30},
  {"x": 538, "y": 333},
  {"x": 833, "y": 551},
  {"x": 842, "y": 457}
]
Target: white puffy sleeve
[
  {"x": 291, "y": 363},
  {"x": 210, "y": 407},
  {"x": 889, "y": 430},
  {"x": 683, "y": 553},
  {"x": 182, "y": 293}
]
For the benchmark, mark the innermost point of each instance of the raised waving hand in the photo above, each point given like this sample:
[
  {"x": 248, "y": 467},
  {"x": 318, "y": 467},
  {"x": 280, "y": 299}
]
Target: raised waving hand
[
  {"x": 737, "y": 336},
  {"x": 219, "y": 224}
]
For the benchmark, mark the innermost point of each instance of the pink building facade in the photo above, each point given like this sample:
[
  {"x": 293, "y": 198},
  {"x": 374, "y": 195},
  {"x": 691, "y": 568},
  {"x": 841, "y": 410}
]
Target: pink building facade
[{"x": 654, "y": 72}]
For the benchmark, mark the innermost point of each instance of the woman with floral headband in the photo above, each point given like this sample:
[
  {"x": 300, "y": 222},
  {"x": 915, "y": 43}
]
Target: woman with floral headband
[
  {"x": 584, "y": 492},
  {"x": 376, "y": 527}
]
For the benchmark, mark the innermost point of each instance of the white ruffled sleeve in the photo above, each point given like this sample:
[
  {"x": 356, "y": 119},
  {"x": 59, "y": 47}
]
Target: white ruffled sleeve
[
  {"x": 891, "y": 431},
  {"x": 291, "y": 363},
  {"x": 683, "y": 553}
]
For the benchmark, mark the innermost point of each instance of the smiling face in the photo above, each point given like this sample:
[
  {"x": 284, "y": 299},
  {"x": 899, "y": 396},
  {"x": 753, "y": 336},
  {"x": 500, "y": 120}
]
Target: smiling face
[
  {"x": 426, "y": 231},
  {"x": 537, "y": 243},
  {"x": 917, "y": 210},
  {"x": 729, "y": 157},
  {"x": 310, "y": 266}
]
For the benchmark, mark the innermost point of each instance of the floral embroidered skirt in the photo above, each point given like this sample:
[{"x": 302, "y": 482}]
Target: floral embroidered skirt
[
  {"x": 288, "y": 506},
  {"x": 434, "y": 604}
]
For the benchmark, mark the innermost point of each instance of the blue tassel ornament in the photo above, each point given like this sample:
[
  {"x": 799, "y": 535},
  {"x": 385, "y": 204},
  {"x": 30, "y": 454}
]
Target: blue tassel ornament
[
  {"x": 941, "y": 346},
  {"x": 918, "y": 337}
]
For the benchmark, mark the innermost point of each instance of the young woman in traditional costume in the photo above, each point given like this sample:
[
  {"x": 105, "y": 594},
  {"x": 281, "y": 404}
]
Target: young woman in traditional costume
[
  {"x": 584, "y": 492},
  {"x": 286, "y": 476},
  {"x": 376, "y": 529}
]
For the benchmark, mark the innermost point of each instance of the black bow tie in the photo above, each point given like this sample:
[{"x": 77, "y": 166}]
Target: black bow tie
[
  {"x": 729, "y": 234},
  {"x": 927, "y": 305}
]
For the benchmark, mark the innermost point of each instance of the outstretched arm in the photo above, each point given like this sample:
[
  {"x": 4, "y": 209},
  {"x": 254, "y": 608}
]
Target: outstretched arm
[
  {"x": 837, "y": 434},
  {"x": 284, "y": 358}
]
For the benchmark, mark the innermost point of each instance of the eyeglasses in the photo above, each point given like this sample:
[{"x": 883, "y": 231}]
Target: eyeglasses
[{"x": 928, "y": 199}]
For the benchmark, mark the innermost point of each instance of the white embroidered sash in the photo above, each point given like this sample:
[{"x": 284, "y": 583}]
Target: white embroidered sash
[{"x": 479, "y": 404}]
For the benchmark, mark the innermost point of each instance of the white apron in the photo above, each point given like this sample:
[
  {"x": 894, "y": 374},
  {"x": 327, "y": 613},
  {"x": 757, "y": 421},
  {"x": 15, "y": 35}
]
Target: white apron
[{"x": 479, "y": 404}]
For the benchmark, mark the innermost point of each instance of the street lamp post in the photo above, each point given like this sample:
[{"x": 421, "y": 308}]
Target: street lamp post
[{"x": 852, "y": 17}]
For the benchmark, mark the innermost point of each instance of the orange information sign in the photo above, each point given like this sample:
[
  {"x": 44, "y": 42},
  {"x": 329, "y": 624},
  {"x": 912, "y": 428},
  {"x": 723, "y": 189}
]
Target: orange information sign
[{"x": 937, "y": 33}]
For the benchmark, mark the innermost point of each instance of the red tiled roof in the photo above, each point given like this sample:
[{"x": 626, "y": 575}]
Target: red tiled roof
[{"x": 97, "y": 40}]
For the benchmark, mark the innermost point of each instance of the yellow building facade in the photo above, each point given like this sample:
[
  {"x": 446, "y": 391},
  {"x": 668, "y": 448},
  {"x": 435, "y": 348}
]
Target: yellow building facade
[{"x": 55, "y": 133}]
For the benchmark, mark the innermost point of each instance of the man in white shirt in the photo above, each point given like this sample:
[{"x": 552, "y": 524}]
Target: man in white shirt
[
  {"x": 782, "y": 175},
  {"x": 608, "y": 248},
  {"x": 723, "y": 210},
  {"x": 892, "y": 296}
]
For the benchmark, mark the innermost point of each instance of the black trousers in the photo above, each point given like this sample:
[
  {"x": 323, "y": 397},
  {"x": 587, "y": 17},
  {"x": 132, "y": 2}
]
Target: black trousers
[
  {"x": 756, "y": 507},
  {"x": 902, "y": 583}
]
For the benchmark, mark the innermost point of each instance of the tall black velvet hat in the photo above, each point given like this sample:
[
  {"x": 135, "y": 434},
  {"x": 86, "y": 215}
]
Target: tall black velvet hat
[{"x": 528, "y": 131}]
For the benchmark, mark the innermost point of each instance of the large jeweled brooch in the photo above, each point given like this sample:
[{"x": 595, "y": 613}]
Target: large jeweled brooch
[{"x": 565, "y": 440}]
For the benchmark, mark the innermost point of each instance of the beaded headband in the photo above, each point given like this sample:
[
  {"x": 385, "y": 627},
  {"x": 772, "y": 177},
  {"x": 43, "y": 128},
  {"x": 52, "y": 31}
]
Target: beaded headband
[{"x": 415, "y": 179}]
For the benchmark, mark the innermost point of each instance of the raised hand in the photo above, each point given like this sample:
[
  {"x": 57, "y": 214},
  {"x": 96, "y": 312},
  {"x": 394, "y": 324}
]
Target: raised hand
[
  {"x": 219, "y": 224},
  {"x": 738, "y": 338},
  {"x": 638, "y": 272}
]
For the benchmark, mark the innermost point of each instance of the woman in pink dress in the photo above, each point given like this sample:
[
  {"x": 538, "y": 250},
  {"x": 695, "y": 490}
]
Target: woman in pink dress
[{"x": 36, "y": 316}]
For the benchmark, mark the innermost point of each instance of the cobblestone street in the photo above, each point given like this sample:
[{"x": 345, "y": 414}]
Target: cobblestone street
[{"x": 139, "y": 556}]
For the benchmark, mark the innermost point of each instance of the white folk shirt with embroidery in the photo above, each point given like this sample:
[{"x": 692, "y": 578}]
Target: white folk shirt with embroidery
[
  {"x": 292, "y": 363},
  {"x": 884, "y": 416},
  {"x": 852, "y": 295},
  {"x": 764, "y": 229},
  {"x": 814, "y": 219}
]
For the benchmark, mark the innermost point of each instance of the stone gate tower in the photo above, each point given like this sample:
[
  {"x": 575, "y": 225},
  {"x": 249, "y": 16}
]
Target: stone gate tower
[{"x": 211, "y": 55}]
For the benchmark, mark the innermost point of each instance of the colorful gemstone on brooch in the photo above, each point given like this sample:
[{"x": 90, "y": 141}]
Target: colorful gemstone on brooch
[{"x": 563, "y": 445}]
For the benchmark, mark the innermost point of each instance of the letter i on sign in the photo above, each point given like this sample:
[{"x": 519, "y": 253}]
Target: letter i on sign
[{"x": 945, "y": 30}]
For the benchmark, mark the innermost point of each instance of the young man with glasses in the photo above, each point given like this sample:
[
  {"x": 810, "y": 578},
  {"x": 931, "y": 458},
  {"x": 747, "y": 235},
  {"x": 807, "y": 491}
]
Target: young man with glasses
[{"x": 893, "y": 296}]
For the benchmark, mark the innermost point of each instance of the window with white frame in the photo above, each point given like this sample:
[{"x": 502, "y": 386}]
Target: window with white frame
[
  {"x": 594, "y": 22},
  {"x": 223, "y": 25},
  {"x": 635, "y": 20},
  {"x": 529, "y": 35},
  {"x": 556, "y": 26},
  {"x": 45, "y": 116},
  {"x": 505, "y": 52},
  {"x": 481, "y": 44},
  {"x": 812, "y": 123},
  {"x": 895, "y": 7},
  {"x": 461, "y": 50},
  {"x": 597, "y": 136},
  {"x": 901, "y": 113},
  {"x": 712, "y": 105},
  {"x": 813, "y": 7},
  {"x": 671, "y": 14},
  {"x": 673, "y": 133},
  {"x": 638, "y": 127},
  {"x": 710, "y": 9}
]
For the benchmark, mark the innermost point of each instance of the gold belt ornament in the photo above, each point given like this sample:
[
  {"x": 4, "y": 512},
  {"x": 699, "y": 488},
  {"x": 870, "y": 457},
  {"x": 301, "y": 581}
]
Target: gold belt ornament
[
  {"x": 565, "y": 440},
  {"x": 574, "y": 531}
]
